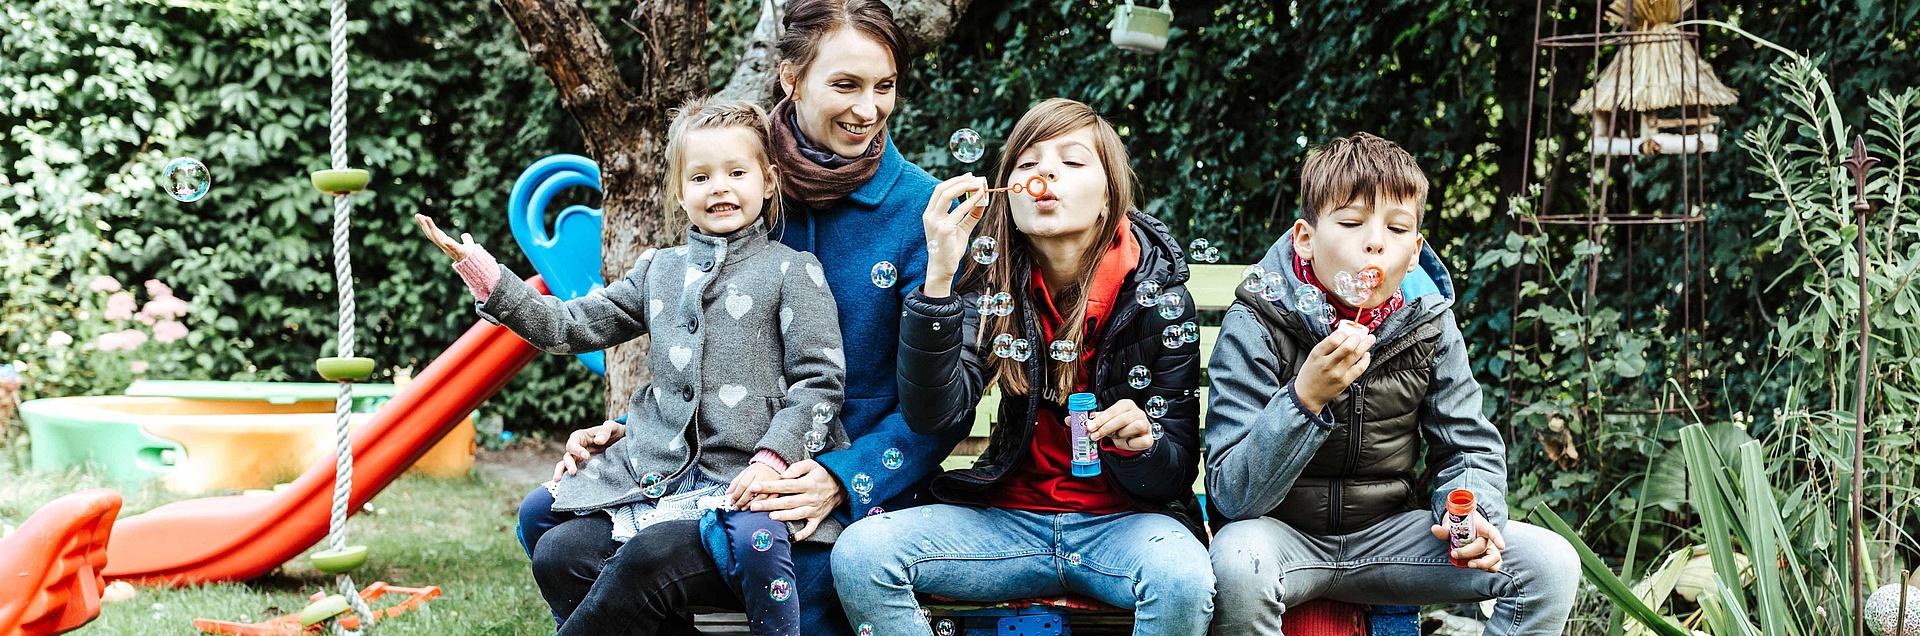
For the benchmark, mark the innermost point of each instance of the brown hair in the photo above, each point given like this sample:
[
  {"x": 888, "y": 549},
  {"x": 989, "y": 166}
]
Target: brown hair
[
  {"x": 1358, "y": 168},
  {"x": 1046, "y": 120},
  {"x": 700, "y": 114},
  {"x": 810, "y": 21}
]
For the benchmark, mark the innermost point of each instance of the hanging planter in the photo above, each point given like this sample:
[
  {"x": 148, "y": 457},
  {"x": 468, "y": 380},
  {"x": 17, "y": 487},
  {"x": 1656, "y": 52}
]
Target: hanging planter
[{"x": 1141, "y": 29}]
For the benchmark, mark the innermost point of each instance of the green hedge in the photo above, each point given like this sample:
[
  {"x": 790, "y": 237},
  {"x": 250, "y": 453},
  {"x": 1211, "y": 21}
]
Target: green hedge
[{"x": 447, "y": 110}]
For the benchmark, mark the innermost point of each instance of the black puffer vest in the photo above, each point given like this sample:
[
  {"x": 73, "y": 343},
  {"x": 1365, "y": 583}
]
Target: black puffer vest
[{"x": 1365, "y": 471}]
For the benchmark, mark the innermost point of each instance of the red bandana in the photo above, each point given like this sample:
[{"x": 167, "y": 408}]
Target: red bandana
[{"x": 1371, "y": 317}]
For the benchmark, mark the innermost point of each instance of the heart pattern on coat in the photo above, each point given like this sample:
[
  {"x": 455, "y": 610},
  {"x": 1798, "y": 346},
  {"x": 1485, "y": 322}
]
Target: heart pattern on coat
[
  {"x": 738, "y": 304},
  {"x": 680, "y": 356},
  {"x": 819, "y": 277},
  {"x": 837, "y": 355},
  {"x": 731, "y": 394},
  {"x": 693, "y": 274},
  {"x": 653, "y": 308}
]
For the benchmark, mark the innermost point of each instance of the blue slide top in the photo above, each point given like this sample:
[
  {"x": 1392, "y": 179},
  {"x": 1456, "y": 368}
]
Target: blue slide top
[{"x": 568, "y": 257}]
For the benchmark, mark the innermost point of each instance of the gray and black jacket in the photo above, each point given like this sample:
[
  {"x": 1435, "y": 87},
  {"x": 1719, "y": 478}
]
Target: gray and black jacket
[
  {"x": 746, "y": 349},
  {"x": 1353, "y": 465},
  {"x": 942, "y": 374}
]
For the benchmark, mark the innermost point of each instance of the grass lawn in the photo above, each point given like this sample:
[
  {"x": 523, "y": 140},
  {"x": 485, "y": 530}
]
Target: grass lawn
[{"x": 457, "y": 534}]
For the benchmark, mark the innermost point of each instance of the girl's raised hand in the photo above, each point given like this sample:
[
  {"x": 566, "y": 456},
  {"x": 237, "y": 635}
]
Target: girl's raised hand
[
  {"x": 949, "y": 229},
  {"x": 456, "y": 251}
]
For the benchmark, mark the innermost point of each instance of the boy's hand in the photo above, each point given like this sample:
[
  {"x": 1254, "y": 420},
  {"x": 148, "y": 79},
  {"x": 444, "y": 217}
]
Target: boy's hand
[
  {"x": 583, "y": 444},
  {"x": 1125, "y": 423},
  {"x": 456, "y": 251},
  {"x": 741, "y": 490},
  {"x": 1484, "y": 552},
  {"x": 1332, "y": 365}
]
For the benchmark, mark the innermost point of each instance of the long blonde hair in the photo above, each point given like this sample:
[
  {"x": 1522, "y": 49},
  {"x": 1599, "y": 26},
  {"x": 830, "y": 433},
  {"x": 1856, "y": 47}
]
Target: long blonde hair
[{"x": 1047, "y": 120}]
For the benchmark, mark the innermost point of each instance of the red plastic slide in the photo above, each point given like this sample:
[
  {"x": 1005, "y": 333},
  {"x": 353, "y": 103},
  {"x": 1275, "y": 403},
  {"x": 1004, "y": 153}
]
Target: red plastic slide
[
  {"x": 50, "y": 569},
  {"x": 242, "y": 537}
]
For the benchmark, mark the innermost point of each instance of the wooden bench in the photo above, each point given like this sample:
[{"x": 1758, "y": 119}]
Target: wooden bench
[{"x": 1212, "y": 287}]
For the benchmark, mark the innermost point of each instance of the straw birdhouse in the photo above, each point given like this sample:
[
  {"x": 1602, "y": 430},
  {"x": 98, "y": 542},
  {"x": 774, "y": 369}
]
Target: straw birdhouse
[{"x": 1656, "y": 96}]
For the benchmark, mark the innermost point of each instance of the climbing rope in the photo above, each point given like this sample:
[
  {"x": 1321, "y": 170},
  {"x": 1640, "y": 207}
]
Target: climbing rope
[{"x": 343, "y": 282}]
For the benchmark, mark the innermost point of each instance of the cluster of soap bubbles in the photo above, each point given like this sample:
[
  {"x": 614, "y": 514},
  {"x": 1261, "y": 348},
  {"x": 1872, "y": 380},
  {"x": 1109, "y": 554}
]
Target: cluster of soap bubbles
[
  {"x": 1175, "y": 335},
  {"x": 1170, "y": 304},
  {"x": 1357, "y": 289},
  {"x": 1202, "y": 252},
  {"x": 1007, "y": 346},
  {"x": 816, "y": 437},
  {"x": 998, "y": 304},
  {"x": 985, "y": 250},
  {"x": 1063, "y": 350}
]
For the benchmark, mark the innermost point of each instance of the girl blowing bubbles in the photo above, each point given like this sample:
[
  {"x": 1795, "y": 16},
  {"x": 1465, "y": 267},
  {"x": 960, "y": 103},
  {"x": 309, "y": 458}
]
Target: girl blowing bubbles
[{"x": 746, "y": 360}]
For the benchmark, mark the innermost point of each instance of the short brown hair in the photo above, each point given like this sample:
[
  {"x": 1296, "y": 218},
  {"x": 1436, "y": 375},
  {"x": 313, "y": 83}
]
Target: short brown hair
[
  {"x": 1358, "y": 168},
  {"x": 810, "y": 21},
  {"x": 700, "y": 114}
]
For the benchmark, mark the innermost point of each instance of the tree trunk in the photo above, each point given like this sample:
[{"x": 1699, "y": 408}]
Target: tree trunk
[{"x": 625, "y": 127}]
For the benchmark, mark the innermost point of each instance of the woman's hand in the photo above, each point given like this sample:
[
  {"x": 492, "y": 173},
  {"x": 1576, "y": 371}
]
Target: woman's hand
[
  {"x": 755, "y": 473},
  {"x": 583, "y": 444},
  {"x": 456, "y": 251},
  {"x": 1125, "y": 423},
  {"x": 950, "y": 229},
  {"x": 806, "y": 491}
]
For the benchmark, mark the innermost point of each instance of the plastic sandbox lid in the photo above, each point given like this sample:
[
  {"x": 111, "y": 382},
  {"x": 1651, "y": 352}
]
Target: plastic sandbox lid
[{"x": 271, "y": 392}]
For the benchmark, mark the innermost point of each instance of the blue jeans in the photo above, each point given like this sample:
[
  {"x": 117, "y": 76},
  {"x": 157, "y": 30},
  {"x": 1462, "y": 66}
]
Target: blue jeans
[
  {"x": 1266, "y": 566},
  {"x": 1148, "y": 562}
]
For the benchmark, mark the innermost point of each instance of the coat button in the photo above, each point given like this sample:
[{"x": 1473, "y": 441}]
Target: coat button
[
  {"x": 706, "y": 266},
  {"x": 693, "y": 326},
  {"x": 686, "y": 393}
]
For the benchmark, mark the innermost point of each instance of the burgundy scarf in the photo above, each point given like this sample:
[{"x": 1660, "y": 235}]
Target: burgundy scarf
[
  {"x": 1369, "y": 317},
  {"x": 805, "y": 179}
]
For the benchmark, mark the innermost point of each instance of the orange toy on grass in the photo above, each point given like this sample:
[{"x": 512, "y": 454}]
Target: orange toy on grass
[{"x": 50, "y": 568}]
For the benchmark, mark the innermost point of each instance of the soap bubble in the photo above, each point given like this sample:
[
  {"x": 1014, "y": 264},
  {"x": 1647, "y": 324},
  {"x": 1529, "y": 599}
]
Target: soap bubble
[
  {"x": 186, "y": 179},
  {"x": 985, "y": 252},
  {"x": 1063, "y": 350},
  {"x": 1022, "y": 350},
  {"x": 943, "y": 628},
  {"x": 866, "y": 629},
  {"x": 822, "y": 413},
  {"x": 780, "y": 590},
  {"x": 655, "y": 485},
  {"x": 891, "y": 459},
  {"x": 984, "y": 303},
  {"x": 1170, "y": 337},
  {"x": 875, "y": 511},
  {"x": 1138, "y": 377},
  {"x": 816, "y": 441},
  {"x": 1073, "y": 559},
  {"x": 1189, "y": 332},
  {"x": 1344, "y": 280},
  {"x": 1171, "y": 305},
  {"x": 1275, "y": 284},
  {"x": 885, "y": 275},
  {"x": 1210, "y": 255},
  {"x": 1158, "y": 430},
  {"x": 1195, "y": 248},
  {"x": 1371, "y": 276},
  {"x": 1157, "y": 407},
  {"x": 966, "y": 146},
  {"x": 1003, "y": 345},
  {"x": 762, "y": 540},
  {"x": 1253, "y": 280},
  {"x": 1309, "y": 299},
  {"x": 1003, "y": 304},
  {"x": 1148, "y": 293},
  {"x": 862, "y": 484}
]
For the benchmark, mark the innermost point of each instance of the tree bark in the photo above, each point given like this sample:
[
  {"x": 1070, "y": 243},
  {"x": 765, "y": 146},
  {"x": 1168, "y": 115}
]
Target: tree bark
[{"x": 625, "y": 127}]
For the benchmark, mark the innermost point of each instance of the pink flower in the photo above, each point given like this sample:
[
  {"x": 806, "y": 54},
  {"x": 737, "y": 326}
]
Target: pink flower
[
  {"x": 168, "y": 331},
  {"x": 104, "y": 284},
  {"x": 120, "y": 306},
  {"x": 137, "y": 366},
  {"x": 127, "y": 340},
  {"x": 158, "y": 289},
  {"x": 59, "y": 339},
  {"x": 164, "y": 307}
]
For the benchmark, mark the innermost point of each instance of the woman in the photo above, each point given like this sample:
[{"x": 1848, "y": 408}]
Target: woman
[
  {"x": 1097, "y": 292},
  {"x": 854, "y": 202}
]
